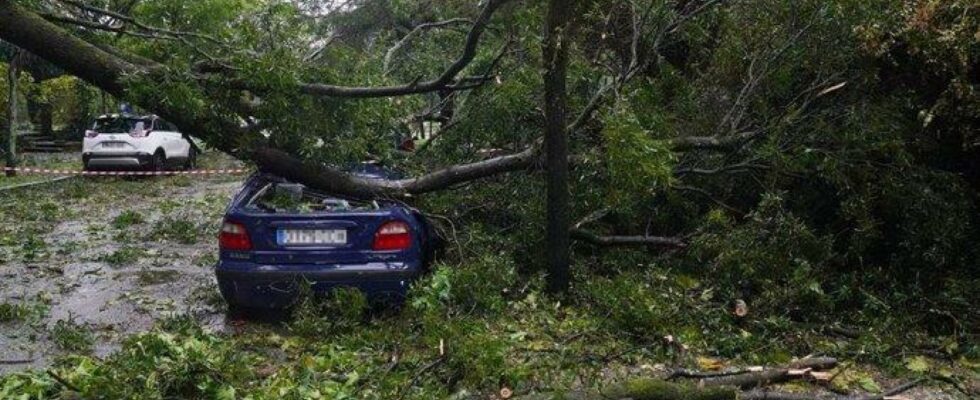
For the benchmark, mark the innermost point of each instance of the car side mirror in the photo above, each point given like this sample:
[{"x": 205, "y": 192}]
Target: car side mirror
[
  {"x": 139, "y": 128},
  {"x": 90, "y": 133}
]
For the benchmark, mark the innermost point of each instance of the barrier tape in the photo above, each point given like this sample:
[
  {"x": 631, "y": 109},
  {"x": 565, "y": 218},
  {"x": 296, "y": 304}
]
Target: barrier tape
[{"x": 28, "y": 170}]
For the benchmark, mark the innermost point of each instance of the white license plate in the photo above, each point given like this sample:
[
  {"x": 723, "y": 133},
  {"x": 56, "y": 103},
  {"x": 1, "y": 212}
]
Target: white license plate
[
  {"x": 113, "y": 145},
  {"x": 311, "y": 236}
]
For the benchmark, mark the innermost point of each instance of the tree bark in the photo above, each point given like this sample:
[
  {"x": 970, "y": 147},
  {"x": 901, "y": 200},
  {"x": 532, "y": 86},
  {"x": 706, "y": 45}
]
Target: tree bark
[
  {"x": 555, "y": 57},
  {"x": 12, "y": 115}
]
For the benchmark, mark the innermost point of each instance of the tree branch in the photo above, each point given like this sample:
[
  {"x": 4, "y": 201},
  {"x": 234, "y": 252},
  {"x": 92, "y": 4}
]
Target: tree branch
[
  {"x": 688, "y": 143},
  {"x": 611, "y": 241},
  {"x": 337, "y": 182},
  {"x": 445, "y": 81},
  {"x": 390, "y": 54},
  {"x": 132, "y": 21}
]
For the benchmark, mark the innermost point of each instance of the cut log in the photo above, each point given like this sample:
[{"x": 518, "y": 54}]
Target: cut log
[{"x": 761, "y": 378}]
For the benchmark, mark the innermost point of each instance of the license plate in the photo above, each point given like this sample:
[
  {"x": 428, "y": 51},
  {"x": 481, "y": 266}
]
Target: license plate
[
  {"x": 305, "y": 237},
  {"x": 113, "y": 145}
]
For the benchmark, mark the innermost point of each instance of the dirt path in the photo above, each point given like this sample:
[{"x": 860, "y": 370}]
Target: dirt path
[{"x": 116, "y": 260}]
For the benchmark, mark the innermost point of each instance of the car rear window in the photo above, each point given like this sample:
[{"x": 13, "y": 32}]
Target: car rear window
[
  {"x": 118, "y": 125},
  {"x": 294, "y": 198}
]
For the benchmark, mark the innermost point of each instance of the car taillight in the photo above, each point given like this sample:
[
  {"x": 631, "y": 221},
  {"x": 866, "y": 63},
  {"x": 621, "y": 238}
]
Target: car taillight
[
  {"x": 393, "y": 235},
  {"x": 234, "y": 236}
]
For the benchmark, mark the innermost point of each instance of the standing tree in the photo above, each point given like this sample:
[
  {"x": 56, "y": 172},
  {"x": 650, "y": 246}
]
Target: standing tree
[
  {"x": 555, "y": 57},
  {"x": 13, "y": 75}
]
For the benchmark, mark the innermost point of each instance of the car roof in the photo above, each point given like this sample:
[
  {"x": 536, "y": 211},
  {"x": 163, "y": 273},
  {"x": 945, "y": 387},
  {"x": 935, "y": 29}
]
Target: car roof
[{"x": 360, "y": 170}]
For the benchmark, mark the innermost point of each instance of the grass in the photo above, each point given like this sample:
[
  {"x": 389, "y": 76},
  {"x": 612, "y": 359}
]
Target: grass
[
  {"x": 50, "y": 161},
  {"x": 13, "y": 312},
  {"x": 123, "y": 256},
  {"x": 149, "y": 277},
  {"x": 72, "y": 337},
  {"x": 127, "y": 219},
  {"x": 179, "y": 230}
]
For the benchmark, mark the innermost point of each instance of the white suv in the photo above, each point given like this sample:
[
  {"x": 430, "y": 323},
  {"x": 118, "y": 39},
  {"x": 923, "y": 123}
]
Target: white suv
[{"x": 136, "y": 142}]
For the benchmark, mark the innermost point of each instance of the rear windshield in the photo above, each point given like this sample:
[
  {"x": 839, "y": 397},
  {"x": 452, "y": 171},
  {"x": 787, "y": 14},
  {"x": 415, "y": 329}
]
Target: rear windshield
[
  {"x": 294, "y": 198},
  {"x": 118, "y": 125}
]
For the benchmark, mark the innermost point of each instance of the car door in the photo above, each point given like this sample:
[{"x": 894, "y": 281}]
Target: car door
[
  {"x": 180, "y": 142},
  {"x": 173, "y": 142}
]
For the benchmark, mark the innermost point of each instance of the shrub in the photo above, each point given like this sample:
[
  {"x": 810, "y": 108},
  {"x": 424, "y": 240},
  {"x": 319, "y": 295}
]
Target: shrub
[
  {"x": 473, "y": 287},
  {"x": 772, "y": 260}
]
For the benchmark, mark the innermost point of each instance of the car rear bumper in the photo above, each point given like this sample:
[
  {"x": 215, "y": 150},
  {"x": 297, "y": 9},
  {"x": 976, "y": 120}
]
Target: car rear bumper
[
  {"x": 116, "y": 160},
  {"x": 276, "y": 286}
]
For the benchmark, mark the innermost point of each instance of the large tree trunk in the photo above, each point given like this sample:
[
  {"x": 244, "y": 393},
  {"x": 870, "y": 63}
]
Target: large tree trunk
[
  {"x": 12, "y": 115},
  {"x": 556, "y": 144}
]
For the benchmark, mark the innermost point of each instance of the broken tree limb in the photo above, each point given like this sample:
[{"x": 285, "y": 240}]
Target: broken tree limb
[
  {"x": 390, "y": 54},
  {"x": 643, "y": 389},
  {"x": 608, "y": 241},
  {"x": 764, "y": 394},
  {"x": 714, "y": 387},
  {"x": 689, "y": 143},
  {"x": 444, "y": 81},
  {"x": 751, "y": 379},
  {"x": 335, "y": 181}
]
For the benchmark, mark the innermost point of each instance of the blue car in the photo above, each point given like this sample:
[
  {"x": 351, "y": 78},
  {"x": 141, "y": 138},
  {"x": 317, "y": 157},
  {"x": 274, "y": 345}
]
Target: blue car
[{"x": 278, "y": 235}]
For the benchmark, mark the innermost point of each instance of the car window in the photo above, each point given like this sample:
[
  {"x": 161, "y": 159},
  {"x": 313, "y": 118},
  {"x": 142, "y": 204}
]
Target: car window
[
  {"x": 118, "y": 125},
  {"x": 295, "y": 198},
  {"x": 162, "y": 125}
]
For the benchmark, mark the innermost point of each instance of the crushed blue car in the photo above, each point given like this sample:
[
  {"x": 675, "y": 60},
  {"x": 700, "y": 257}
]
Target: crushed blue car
[{"x": 278, "y": 236}]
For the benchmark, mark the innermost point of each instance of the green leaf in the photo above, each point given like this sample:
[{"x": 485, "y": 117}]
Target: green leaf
[
  {"x": 867, "y": 383},
  {"x": 917, "y": 364}
]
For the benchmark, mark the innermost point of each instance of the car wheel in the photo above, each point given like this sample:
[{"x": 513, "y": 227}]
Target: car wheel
[
  {"x": 159, "y": 161},
  {"x": 191, "y": 159}
]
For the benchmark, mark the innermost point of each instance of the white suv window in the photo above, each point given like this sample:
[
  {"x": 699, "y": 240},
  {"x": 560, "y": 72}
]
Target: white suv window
[
  {"x": 161, "y": 125},
  {"x": 117, "y": 125}
]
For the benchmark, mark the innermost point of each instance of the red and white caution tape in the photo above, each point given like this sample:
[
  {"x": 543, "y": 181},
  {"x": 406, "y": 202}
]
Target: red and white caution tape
[{"x": 28, "y": 170}]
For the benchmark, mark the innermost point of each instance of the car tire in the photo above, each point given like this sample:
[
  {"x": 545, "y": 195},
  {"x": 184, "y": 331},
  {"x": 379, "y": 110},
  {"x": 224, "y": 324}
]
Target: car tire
[
  {"x": 159, "y": 161},
  {"x": 191, "y": 162}
]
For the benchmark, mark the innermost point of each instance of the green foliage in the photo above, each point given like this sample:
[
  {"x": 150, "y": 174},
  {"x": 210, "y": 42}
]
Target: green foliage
[
  {"x": 123, "y": 256},
  {"x": 773, "y": 256},
  {"x": 72, "y": 337},
  {"x": 343, "y": 309},
  {"x": 638, "y": 165},
  {"x": 476, "y": 286},
  {"x": 13, "y": 312},
  {"x": 127, "y": 218},
  {"x": 178, "y": 229}
]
